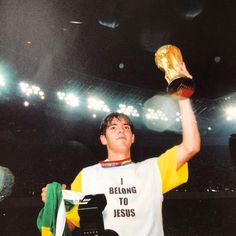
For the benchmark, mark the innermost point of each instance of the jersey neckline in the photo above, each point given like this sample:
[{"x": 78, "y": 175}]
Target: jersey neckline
[{"x": 107, "y": 164}]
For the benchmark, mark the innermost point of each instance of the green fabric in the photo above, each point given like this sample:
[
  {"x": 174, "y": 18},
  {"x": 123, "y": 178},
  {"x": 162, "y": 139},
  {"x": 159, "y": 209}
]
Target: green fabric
[{"x": 48, "y": 214}]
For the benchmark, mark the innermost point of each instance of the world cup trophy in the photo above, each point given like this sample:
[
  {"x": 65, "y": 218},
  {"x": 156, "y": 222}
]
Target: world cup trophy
[{"x": 180, "y": 84}]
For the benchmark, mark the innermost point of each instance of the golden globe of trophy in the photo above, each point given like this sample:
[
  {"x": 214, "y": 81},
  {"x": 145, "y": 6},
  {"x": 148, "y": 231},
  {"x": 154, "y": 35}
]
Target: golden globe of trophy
[{"x": 168, "y": 58}]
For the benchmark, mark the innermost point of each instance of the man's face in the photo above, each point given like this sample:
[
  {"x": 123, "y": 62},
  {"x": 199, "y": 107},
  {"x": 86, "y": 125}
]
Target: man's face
[{"x": 118, "y": 135}]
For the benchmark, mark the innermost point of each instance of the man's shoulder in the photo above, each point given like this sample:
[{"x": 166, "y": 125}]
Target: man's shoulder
[
  {"x": 146, "y": 161},
  {"x": 91, "y": 167}
]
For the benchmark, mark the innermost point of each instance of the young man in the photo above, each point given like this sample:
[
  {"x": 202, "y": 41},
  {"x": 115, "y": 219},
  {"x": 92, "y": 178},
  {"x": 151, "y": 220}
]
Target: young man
[{"x": 134, "y": 191}]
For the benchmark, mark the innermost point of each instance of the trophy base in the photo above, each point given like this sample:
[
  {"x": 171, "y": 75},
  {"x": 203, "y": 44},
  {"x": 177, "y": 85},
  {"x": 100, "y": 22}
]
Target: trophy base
[{"x": 181, "y": 88}]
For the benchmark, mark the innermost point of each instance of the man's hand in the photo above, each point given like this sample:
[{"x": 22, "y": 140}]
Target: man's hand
[{"x": 44, "y": 192}]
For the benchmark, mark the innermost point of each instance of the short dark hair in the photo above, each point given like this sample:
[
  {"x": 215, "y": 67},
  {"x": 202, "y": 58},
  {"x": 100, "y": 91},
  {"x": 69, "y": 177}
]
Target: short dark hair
[{"x": 108, "y": 119}]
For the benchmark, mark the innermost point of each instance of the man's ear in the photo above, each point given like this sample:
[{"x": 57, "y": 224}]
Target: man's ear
[
  {"x": 103, "y": 139},
  {"x": 133, "y": 138}
]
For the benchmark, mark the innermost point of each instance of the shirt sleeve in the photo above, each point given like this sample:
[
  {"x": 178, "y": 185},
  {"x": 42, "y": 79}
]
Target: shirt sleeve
[
  {"x": 72, "y": 215},
  {"x": 171, "y": 178}
]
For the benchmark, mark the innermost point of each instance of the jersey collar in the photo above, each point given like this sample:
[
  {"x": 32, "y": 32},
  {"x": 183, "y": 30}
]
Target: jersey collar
[{"x": 107, "y": 164}]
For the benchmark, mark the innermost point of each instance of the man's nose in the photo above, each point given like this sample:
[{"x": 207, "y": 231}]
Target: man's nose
[{"x": 121, "y": 129}]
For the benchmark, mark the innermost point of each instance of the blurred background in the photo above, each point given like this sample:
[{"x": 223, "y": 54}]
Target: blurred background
[{"x": 64, "y": 65}]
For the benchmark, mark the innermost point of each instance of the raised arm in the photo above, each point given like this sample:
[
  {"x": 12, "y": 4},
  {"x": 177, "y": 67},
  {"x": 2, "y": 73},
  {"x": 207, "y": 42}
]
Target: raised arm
[{"x": 191, "y": 141}]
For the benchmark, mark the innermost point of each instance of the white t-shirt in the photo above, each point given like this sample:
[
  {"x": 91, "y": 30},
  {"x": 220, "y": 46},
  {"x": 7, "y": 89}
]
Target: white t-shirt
[{"x": 132, "y": 192}]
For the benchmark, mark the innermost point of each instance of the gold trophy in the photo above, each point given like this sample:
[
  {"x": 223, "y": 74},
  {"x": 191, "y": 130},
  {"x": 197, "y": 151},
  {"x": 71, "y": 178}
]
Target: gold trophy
[{"x": 167, "y": 59}]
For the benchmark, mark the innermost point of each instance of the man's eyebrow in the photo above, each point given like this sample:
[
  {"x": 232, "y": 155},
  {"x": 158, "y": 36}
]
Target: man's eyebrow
[
  {"x": 111, "y": 124},
  {"x": 116, "y": 123}
]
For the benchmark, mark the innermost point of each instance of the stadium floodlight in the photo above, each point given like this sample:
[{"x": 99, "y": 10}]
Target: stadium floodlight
[
  {"x": 230, "y": 113},
  {"x": 128, "y": 110},
  {"x": 97, "y": 105},
  {"x": 31, "y": 90},
  {"x": 69, "y": 98},
  {"x": 152, "y": 114},
  {"x": 26, "y": 103},
  {"x": 5, "y": 75},
  {"x": 160, "y": 113},
  {"x": 178, "y": 117},
  {"x": 61, "y": 95},
  {"x": 2, "y": 80}
]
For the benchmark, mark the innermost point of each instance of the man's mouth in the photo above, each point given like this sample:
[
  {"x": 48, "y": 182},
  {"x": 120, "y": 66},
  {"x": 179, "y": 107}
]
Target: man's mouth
[{"x": 121, "y": 137}]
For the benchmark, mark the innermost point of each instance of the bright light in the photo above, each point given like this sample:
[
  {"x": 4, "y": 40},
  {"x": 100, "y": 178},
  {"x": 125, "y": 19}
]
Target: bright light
[
  {"x": 5, "y": 75},
  {"x": 97, "y": 105},
  {"x": 61, "y": 95},
  {"x": 2, "y": 81},
  {"x": 31, "y": 90},
  {"x": 72, "y": 100},
  {"x": 76, "y": 22},
  {"x": 155, "y": 115},
  {"x": 128, "y": 110},
  {"x": 230, "y": 113},
  {"x": 178, "y": 117},
  {"x": 69, "y": 98},
  {"x": 160, "y": 113},
  {"x": 26, "y": 103}
]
